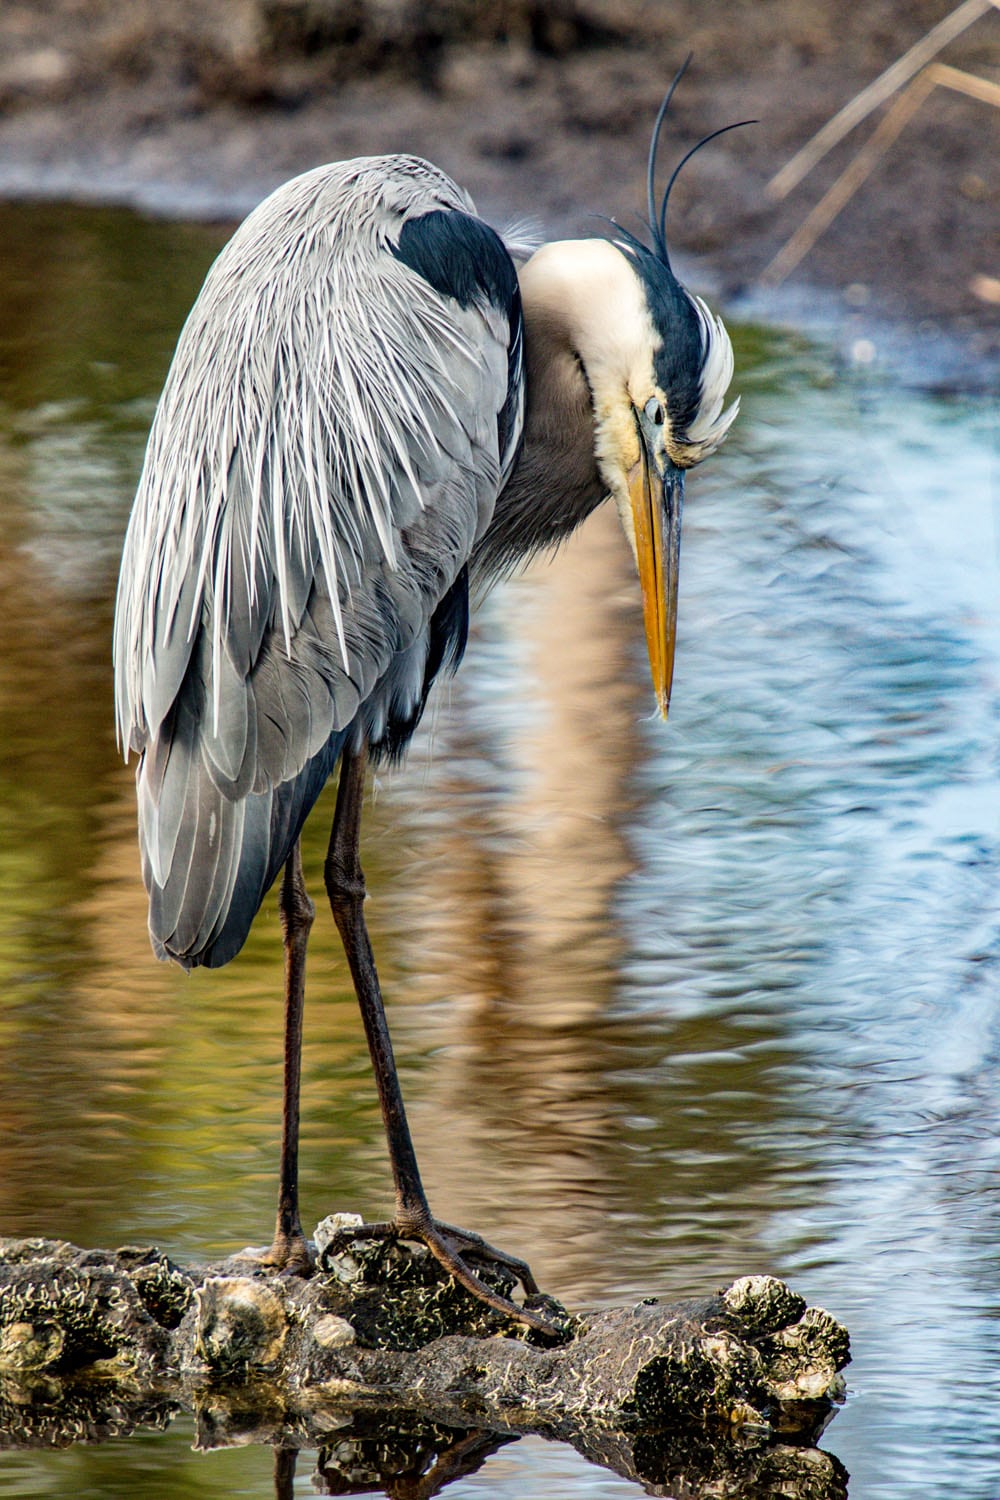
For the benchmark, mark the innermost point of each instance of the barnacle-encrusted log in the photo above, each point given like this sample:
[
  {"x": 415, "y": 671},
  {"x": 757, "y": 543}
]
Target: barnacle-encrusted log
[{"x": 379, "y": 1337}]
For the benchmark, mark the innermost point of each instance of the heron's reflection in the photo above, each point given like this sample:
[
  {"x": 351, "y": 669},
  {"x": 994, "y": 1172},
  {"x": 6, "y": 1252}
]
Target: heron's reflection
[
  {"x": 529, "y": 830},
  {"x": 528, "y": 848}
]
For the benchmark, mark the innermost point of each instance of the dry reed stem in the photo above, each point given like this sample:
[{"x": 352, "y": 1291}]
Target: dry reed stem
[
  {"x": 887, "y": 83},
  {"x": 840, "y": 193}
]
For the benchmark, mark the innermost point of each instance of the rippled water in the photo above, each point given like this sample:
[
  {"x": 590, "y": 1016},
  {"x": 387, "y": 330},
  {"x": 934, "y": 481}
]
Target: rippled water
[{"x": 673, "y": 1003}]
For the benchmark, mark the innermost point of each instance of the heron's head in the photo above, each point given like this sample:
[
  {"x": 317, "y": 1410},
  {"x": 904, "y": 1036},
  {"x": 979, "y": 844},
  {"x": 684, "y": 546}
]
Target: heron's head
[{"x": 658, "y": 364}]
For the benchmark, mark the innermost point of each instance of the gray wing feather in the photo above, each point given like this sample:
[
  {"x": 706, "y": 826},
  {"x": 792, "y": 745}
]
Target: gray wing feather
[{"x": 322, "y": 461}]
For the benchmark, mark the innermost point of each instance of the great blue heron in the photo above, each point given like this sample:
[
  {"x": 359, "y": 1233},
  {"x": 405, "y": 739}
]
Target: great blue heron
[{"x": 370, "y": 408}]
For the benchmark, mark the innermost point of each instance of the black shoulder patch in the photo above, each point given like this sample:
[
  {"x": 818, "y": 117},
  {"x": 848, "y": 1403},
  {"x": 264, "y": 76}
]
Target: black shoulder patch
[{"x": 460, "y": 257}]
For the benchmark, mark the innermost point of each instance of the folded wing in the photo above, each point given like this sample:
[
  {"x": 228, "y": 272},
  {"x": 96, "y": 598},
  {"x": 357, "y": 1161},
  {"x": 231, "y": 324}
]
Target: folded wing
[{"x": 343, "y": 408}]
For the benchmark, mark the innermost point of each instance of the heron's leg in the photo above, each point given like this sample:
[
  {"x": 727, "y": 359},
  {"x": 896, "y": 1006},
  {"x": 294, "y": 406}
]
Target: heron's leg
[
  {"x": 345, "y": 885},
  {"x": 290, "y": 1249}
]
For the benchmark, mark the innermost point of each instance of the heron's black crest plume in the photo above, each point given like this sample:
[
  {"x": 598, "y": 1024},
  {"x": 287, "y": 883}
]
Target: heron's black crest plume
[
  {"x": 657, "y": 221},
  {"x": 658, "y": 217}
]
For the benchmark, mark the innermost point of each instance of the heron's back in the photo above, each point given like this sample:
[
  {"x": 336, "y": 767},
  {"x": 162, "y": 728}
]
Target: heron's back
[{"x": 343, "y": 407}]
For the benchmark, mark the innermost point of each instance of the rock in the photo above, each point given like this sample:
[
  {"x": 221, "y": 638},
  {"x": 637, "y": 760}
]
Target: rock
[{"x": 696, "y": 1388}]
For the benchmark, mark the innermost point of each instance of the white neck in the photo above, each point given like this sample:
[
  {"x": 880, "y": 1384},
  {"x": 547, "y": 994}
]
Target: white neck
[{"x": 588, "y": 290}]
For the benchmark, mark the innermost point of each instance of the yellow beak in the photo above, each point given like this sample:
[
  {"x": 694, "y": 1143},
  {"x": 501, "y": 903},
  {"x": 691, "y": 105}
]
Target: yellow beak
[{"x": 657, "y": 507}]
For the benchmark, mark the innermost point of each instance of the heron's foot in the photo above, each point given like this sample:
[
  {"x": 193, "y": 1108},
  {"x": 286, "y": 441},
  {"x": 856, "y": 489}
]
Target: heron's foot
[
  {"x": 457, "y": 1250},
  {"x": 291, "y": 1254}
]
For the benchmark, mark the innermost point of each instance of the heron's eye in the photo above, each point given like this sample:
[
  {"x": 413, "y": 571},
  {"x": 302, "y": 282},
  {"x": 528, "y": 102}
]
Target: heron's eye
[{"x": 654, "y": 412}]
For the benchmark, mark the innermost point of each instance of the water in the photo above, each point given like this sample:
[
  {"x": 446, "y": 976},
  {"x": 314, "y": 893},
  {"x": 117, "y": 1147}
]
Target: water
[{"x": 673, "y": 1003}]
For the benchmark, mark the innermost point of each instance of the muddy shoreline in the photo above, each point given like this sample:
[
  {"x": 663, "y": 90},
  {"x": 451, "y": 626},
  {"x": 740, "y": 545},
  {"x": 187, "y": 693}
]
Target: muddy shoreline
[{"x": 543, "y": 113}]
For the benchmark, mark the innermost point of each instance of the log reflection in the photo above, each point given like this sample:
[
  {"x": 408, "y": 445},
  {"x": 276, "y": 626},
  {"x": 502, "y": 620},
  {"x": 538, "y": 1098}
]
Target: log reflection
[{"x": 402, "y": 1456}]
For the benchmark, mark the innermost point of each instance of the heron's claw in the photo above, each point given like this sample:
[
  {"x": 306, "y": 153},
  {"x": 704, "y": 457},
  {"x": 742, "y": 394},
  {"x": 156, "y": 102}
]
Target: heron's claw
[
  {"x": 472, "y": 1243},
  {"x": 452, "y": 1247}
]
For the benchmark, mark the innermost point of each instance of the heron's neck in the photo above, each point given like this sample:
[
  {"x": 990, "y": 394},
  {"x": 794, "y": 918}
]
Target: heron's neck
[{"x": 556, "y": 482}]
